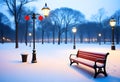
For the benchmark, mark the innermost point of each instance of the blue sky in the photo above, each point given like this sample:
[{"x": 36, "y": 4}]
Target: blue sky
[{"x": 87, "y": 7}]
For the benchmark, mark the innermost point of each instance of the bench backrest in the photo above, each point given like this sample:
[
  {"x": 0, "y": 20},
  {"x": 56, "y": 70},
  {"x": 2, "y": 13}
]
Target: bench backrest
[{"x": 92, "y": 56}]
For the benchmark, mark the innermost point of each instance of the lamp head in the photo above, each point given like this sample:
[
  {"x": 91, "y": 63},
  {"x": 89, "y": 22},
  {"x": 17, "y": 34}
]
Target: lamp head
[
  {"x": 112, "y": 22},
  {"x": 46, "y": 10},
  {"x": 74, "y": 29}
]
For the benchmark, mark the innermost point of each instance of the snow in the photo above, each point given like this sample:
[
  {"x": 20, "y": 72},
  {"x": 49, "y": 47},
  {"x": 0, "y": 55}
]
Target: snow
[{"x": 53, "y": 63}]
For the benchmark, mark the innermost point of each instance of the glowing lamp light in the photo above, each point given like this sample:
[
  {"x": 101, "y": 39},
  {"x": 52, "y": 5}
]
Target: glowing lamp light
[
  {"x": 74, "y": 29},
  {"x": 27, "y": 17},
  {"x": 40, "y": 18},
  {"x": 112, "y": 22},
  {"x": 46, "y": 10}
]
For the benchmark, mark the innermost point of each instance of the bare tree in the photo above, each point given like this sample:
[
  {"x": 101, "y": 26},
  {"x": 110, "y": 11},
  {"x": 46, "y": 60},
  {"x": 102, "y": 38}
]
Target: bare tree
[
  {"x": 57, "y": 18},
  {"x": 71, "y": 18},
  {"x": 64, "y": 18},
  {"x": 99, "y": 18},
  {"x": 15, "y": 8}
]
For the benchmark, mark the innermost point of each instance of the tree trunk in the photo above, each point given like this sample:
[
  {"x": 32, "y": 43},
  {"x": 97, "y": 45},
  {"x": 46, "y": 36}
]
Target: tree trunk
[
  {"x": 66, "y": 35},
  {"x": 42, "y": 36},
  {"x": 53, "y": 36},
  {"x": 117, "y": 39},
  {"x": 26, "y": 33},
  {"x": 16, "y": 34},
  {"x": 59, "y": 36},
  {"x": 117, "y": 35},
  {"x": 81, "y": 38},
  {"x": 2, "y": 37}
]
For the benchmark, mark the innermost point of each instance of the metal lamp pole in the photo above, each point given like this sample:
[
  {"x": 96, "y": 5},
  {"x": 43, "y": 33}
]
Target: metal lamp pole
[
  {"x": 112, "y": 24},
  {"x": 30, "y": 34},
  {"x": 45, "y": 10},
  {"x": 74, "y": 30},
  {"x": 99, "y": 35},
  {"x": 34, "y": 51}
]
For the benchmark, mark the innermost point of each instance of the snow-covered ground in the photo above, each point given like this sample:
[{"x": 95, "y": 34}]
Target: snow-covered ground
[{"x": 53, "y": 64}]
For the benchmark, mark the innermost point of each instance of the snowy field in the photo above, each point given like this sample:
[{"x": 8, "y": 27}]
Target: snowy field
[{"x": 53, "y": 64}]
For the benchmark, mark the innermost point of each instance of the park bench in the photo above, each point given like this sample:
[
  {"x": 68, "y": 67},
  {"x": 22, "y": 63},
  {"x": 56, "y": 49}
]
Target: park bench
[{"x": 97, "y": 61}]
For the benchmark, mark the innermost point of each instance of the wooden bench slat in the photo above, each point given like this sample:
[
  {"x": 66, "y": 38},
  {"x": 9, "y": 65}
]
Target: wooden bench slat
[
  {"x": 92, "y": 58},
  {"x": 95, "y": 54}
]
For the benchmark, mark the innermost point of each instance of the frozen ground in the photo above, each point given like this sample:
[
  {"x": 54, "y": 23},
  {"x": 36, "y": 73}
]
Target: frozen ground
[{"x": 53, "y": 64}]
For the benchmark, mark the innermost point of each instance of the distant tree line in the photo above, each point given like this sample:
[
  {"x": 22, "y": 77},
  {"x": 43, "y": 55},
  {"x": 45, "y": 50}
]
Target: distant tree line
[
  {"x": 6, "y": 33},
  {"x": 57, "y": 27},
  {"x": 15, "y": 9}
]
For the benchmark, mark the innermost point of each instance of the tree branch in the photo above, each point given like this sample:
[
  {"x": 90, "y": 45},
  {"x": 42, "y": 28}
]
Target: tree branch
[{"x": 6, "y": 1}]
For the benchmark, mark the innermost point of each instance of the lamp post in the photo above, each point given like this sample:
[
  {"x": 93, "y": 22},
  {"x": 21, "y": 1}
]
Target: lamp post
[
  {"x": 74, "y": 30},
  {"x": 99, "y": 35},
  {"x": 112, "y": 24},
  {"x": 45, "y": 10},
  {"x": 30, "y": 34}
]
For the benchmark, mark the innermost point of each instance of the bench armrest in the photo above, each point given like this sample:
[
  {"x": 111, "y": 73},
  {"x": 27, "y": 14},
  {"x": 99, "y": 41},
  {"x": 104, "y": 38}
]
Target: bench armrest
[
  {"x": 72, "y": 55},
  {"x": 99, "y": 60}
]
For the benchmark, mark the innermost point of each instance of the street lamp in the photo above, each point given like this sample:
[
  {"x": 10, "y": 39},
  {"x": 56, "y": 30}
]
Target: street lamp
[
  {"x": 30, "y": 34},
  {"x": 99, "y": 35},
  {"x": 112, "y": 24},
  {"x": 45, "y": 10},
  {"x": 74, "y": 30}
]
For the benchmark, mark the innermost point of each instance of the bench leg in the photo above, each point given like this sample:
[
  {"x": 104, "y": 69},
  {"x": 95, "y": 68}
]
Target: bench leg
[
  {"x": 71, "y": 63},
  {"x": 99, "y": 70},
  {"x": 95, "y": 72},
  {"x": 105, "y": 73}
]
